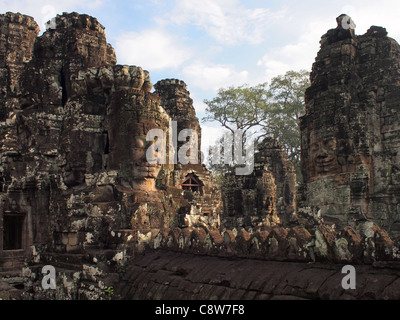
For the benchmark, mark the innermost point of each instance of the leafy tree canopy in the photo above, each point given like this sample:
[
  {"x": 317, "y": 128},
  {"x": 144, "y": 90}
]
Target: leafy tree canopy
[{"x": 263, "y": 110}]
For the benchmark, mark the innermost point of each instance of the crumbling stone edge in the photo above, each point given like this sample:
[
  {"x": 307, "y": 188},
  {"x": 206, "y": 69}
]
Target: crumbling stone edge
[{"x": 367, "y": 245}]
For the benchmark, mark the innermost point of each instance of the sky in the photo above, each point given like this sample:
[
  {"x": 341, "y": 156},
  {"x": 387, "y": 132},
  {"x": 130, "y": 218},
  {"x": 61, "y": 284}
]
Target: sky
[{"x": 213, "y": 44}]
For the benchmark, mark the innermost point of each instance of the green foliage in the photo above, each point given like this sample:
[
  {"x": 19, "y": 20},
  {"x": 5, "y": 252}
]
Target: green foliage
[
  {"x": 110, "y": 292},
  {"x": 288, "y": 106},
  {"x": 273, "y": 110},
  {"x": 241, "y": 108}
]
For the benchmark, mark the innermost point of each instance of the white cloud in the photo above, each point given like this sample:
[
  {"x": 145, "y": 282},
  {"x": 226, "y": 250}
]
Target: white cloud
[
  {"x": 300, "y": 54},
  {"x": 43, "y": 10},
  {"x": 297, "y": 55},
  {"x": 227, "y": 21},
  {"x": 200, "y": 106},
  {"x": 151, "y": 49},
  {"x": 384, "y": 13},
  {"x": 209, "y": 76}
]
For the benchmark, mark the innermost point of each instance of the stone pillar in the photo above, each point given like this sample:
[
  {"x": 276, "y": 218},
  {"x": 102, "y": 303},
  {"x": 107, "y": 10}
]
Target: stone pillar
[{"x": 175, "y": 99}]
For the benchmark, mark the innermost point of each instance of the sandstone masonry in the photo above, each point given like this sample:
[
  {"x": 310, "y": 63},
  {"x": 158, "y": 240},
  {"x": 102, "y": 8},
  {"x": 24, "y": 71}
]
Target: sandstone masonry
[
  {"x": 350, "y": 133},
  {"x": 78, "y": 192}
]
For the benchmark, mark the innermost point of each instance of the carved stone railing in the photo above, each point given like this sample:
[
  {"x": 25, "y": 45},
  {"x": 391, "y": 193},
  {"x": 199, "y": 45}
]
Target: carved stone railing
[{"x": 367, "y": 245}]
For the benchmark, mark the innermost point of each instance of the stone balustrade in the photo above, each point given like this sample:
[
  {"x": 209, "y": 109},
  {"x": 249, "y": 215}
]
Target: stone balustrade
[{"x": 324, "y": 244}]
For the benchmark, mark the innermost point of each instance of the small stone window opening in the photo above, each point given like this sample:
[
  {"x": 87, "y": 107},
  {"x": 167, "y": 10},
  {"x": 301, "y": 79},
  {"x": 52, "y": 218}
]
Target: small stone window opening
[
  {"x": 192, "y": 183},
  {"x": 13, "y": 225},
  {"x": 207, "y": 213},
  {"x": 106, "y": 142},
  {"x": 105, "y": 155}
]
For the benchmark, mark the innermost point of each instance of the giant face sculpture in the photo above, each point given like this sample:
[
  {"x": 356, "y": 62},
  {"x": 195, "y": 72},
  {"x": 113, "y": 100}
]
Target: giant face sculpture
[
  {"x": 144, "y": 169},
  {"x": 323, "y": 154},
  {"x": 331, "y": 153},
  {"x": 130, "y": 154}
]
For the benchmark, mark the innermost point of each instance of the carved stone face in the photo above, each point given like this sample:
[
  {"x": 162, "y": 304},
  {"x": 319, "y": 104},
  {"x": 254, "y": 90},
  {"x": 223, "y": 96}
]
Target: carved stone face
[
  {"x": 144, "y": 170},
  {"x": 323, "y": 154},
  {"x": 129, "y": 122}
]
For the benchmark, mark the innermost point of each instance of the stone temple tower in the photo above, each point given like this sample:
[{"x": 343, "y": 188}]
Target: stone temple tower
[{"x": 351, "y": 130}]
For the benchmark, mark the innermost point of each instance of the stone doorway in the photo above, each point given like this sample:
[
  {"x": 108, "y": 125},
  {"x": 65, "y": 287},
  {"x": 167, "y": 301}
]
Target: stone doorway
[{"x": 13, "y": 231}]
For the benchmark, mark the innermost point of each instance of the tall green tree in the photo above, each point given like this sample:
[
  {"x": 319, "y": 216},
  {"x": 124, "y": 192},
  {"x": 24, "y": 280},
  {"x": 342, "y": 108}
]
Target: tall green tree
[
  {"x": 288, "y": 106},
  {"x": 240, "y": 108},
  {"x": 273, "y": 110}
]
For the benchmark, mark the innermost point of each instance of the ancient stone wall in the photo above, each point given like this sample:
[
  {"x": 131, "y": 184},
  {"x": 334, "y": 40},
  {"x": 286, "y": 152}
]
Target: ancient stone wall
[
  {"x": 79, "y": 192},
  {"x": 73, "y": 155},
  {"x": 182, "y": 253},
  {"x": 17, "y": 37},
  {"x": 267, "y": 196},
  {"x": 205, "y": 203},
  {"x": 366, "y": 245},
  {"x": 350, "y": 133},
  {"x": 170, "y": 275},
  {"x": 176, "y": 100}
]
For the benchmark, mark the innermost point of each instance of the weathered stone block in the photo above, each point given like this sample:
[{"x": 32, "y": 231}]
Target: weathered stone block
[{"x": 346, "y": 155}]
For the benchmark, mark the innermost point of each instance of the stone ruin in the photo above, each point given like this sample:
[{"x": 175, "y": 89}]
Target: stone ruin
[
  {"x": 350, "y": 132},
  {"x": 266, "y": 197},
  {"x": 78, "y": 192}
]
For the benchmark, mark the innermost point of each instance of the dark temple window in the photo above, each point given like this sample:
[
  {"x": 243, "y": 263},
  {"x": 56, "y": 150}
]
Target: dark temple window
[{"x": 12, "y": 231}]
